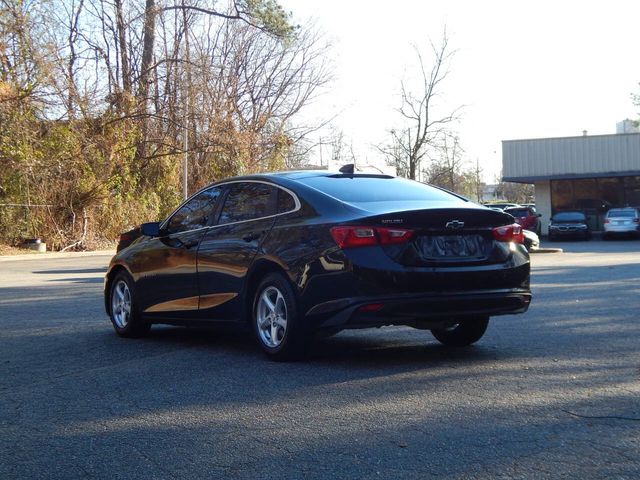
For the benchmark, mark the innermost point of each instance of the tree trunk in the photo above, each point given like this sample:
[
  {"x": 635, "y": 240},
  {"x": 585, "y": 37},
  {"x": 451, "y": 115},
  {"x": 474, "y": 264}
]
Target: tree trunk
[
  {"x": 124, "y": 58},
  {"x": 145, "y": 67}
]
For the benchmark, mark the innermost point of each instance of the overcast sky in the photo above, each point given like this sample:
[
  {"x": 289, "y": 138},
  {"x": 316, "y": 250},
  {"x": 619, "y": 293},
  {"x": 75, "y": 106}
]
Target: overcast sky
[{"x": 522, "y": 69}]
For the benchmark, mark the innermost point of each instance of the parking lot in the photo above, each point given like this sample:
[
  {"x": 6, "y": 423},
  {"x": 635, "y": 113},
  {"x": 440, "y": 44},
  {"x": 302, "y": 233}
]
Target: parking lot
[{"x": 554, "y": 393}]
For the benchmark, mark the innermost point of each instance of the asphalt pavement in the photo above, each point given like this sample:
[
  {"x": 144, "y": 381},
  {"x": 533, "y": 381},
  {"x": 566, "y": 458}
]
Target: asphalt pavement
[{"x": 553, "y": 393}]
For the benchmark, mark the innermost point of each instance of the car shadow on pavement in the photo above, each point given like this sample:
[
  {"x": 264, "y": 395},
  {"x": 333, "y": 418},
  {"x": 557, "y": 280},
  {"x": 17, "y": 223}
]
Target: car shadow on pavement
[
  {"x": 98, "y": 280},
  {"x": 101, "y": 270}
]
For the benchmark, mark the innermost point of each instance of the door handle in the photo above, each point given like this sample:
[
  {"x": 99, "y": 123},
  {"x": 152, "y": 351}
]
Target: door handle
[{"x": 252, "y": 236}]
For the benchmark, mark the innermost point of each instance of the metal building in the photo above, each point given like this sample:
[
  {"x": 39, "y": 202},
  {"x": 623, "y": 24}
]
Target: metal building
[{"x": 591, "y": 173}]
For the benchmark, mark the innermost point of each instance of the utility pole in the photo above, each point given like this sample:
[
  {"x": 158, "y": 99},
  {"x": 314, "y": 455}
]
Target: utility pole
[
  {"x": 410, "y": 165},
  {"x": 187, "y": 106},
  {"x": 478, "y": 181},
  {"x": 185, "y": 161}
]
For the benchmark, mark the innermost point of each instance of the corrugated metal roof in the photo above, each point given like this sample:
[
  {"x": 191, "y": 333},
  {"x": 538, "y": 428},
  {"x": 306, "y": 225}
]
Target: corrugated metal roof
[{"x": 597, "y": 156}]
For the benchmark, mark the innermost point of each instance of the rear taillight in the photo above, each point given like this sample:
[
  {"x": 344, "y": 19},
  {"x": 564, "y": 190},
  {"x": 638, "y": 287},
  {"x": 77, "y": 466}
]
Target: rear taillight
[
  {"x": 371, "y": 307},
  {"x": 509, "y": 233},
  {"x": 606, "y": 220},
  {"x": 636, "y": 220},
  {"x": 358, "y": 236}
]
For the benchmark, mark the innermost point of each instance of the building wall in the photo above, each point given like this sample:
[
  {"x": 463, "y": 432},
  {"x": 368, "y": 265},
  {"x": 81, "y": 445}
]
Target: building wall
[
  {"x": 543, "y": 203},
  {"x": 571, "y": 156}
]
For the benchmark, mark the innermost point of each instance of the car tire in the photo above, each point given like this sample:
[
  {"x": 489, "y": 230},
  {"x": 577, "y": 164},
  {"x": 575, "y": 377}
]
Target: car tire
[
  {"x": 123, "y": 311},
  {"x": 276, "y": 323},
  {"x": 462, "y": 334}
]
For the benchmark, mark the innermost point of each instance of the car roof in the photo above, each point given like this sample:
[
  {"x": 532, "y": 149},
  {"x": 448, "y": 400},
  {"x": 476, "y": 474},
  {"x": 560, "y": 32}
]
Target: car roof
[
  {"x": 301, "y": 174},
  {"x": 622, "y": 209}
]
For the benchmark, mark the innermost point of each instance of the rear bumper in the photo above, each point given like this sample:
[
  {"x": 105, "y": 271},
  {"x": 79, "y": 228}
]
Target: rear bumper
[
  {"x": 621, "y": 228},
  {"x": 424, "y": 310}
]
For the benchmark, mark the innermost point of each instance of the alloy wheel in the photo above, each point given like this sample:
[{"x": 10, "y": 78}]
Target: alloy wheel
[
  {"x": 271, "y": 317},
  {"x": 121, "y": 304}
]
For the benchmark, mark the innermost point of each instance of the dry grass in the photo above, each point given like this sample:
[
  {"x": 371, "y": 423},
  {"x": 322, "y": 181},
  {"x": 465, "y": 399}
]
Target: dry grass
[{"x": 7, "y": 250}]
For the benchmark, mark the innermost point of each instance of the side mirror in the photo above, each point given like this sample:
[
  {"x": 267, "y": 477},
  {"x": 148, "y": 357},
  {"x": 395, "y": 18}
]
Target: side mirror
[
  {"x": 538, "y": 215},
  {"x": 151, "y": 229}
]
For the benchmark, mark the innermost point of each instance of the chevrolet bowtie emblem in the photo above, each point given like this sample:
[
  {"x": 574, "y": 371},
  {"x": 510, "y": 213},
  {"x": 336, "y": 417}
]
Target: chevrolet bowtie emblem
[{"x": 454, "y": 225}]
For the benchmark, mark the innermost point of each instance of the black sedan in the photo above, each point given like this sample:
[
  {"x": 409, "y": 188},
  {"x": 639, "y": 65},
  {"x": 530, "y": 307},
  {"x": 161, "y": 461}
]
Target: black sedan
[
  {"x": 569, "y": 224},
  {"x": 295, "y": 253}
]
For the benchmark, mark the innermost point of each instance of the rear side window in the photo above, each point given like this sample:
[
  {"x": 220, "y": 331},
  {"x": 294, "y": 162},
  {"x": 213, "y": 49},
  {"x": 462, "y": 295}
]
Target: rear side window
[
  {"x": 248, "y": 201},
  {"x": 286, "y": 202},
  {"x": 196, "y": 213},
  {"x": 359, "y": 189}
]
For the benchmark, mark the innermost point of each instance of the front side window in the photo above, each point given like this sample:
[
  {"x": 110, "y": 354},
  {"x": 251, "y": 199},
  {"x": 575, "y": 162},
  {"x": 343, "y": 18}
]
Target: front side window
[
  {"x": 196, "y": 213},
  {"x": 248, "y": 201}
]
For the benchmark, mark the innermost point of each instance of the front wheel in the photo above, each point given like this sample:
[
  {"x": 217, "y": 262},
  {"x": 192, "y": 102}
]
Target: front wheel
[
  {"x": 124, "y": 315},
  {"x": 277, "y": 325},
  {"x": 462, "y": 334}
]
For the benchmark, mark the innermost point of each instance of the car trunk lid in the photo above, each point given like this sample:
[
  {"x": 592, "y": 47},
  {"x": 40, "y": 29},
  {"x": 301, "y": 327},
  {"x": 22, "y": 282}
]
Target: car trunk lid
[{"x": 446, "y": 236}]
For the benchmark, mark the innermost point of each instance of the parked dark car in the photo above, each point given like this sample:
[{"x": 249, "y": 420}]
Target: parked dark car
[
  {"x": 294, "y": 253},
  {"x": 569, "y": 224},
  {"x": 526, "y": 217}
]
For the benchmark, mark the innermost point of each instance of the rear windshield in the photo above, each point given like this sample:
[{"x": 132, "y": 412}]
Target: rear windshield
[
  {"x": 377, "y": 189},
  {"x": 621, "y": 213},
  {"x": 569, "y": 217},
  {"x": 518, "y": 212}
]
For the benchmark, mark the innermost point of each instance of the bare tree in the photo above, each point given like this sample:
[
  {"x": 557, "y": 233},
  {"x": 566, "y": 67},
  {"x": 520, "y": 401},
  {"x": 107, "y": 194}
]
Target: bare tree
[
  {"x": 514, "y": 192},
  {"x": 423, "y": 128},
  {"x": 450, "y": 164},
  {"x": 96, "y": 97},
  {"x": 341, "y": 149}
]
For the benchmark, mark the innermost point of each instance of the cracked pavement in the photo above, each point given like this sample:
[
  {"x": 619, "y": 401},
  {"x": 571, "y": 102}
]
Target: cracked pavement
[{"x": 554, "y": 393}]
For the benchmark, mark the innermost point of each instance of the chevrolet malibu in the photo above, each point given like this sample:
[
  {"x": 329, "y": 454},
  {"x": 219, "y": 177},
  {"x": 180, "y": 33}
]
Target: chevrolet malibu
[{"x": 297, "y": 253}]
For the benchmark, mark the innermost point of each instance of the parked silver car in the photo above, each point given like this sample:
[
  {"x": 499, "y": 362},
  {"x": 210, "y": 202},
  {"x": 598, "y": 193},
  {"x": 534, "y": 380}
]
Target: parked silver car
[
  {"x": 622, "y": 221},
  {"x": 531, "y": 240}
]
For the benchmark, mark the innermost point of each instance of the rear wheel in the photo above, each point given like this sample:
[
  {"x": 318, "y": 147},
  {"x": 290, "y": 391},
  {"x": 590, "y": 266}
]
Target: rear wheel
[
  {"x": 462, "y": 334},
  {"x": 125, "y": 317},
  {"x": 276, "y": 323}
]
